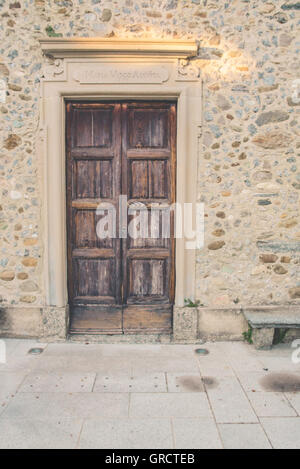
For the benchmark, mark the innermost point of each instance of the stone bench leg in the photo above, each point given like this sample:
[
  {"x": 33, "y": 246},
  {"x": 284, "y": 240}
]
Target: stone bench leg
[{"x": 263, "y": 338}]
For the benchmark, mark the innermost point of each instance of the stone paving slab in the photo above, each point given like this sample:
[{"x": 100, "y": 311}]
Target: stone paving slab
[
  {"x": 271, "y": 404},
  {"x": 280, "y": 364},
  {"x": 245, "y": 363},
  {"x": 185, "y": 382},
  {"x": 23, "y": 346},
  {"x": 53, "y": 406},
  {"x": 172, "y": 364},
  {"x": 241, "y": 357},
  {"x": 294, "y": 399},
  {"x": 39, "y": 434},
  {"x": 143, "y": 396},
  {"x": 244, "y": 436},
  {"x": 128, "y": 382},
  {"x": 200, "y": 433},
  {"x": 126, "y": 433},
  {"x": 215, "y": 363},
  {"x": 184, "y": 405},
  {"x": 19, "y": 363},
  {"x": 252, "y": 382},
  {"x": 58, "y": 382},
  {"x": 229, "y": 402},
  {"x": 283, "y": 432},
  {"x": 82, "y": 363},
  {"x": 9, "y": 384}
]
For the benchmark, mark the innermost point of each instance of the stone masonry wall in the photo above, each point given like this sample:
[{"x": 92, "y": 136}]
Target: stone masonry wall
[{"x": 249, "y": 174}]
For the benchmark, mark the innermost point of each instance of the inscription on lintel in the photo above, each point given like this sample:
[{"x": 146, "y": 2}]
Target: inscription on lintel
[{"x": 107, "y": 73}]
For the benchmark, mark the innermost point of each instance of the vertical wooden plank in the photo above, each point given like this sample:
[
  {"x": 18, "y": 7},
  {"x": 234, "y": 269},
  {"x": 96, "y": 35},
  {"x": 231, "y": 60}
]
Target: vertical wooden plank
[
  {"x": 173, "y": 182},
  {"x": 117, "y": 191},
  {"x": 93, "y": 140},
  {"x": 124, "y": 191},
  {"x": 149, "y": 129}
]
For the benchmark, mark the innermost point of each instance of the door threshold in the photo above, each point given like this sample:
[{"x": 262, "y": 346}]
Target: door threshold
[{"x": 160, "y": 338}]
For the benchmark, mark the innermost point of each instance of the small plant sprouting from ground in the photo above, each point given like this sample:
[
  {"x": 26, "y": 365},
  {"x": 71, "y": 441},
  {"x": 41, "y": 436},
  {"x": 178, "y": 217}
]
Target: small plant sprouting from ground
[
  {"x": 192, "y": 304},
  {"x": 51, "y": 32},
  {"x": 248, "y": 335}
]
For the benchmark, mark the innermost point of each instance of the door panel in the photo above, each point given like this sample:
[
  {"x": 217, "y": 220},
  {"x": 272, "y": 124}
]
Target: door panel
[
  {"x": 156, "y": 238},
  {"x": 85, "y": 235},
  {"x": 138, "y": 179},
  {"x": 121, "y": 285},
  {"x": 94, "y": 177},
  {"x": 92, "y": 127},
  {"x": 147, "y": 280},
  {"x": 95, "y": 278},
  {"x": 148, "y": 263},
  {"x": 148, "y": 128}
]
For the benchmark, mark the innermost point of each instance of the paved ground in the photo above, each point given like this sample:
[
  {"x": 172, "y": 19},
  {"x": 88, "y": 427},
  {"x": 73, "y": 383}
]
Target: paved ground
[{"x": 148, "y": 396}]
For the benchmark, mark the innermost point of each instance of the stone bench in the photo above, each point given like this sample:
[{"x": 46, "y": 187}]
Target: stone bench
[{"x": 264, "y": 322}]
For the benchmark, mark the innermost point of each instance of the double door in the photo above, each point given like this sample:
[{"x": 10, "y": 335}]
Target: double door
[{"x": 121, "y": 263}]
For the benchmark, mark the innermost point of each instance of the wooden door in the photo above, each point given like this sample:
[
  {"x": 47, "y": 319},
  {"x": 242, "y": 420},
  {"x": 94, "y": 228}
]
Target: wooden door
[
  {"x": 148, "y": 169},
  {"x": 123, "y": 284}
]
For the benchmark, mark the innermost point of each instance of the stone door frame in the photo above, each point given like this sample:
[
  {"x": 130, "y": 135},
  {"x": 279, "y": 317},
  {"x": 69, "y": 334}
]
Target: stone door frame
[{"x": 86, "y": 69}]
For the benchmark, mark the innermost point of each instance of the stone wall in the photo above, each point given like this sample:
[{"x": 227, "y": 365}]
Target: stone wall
[{"x": 249, "y": 176}]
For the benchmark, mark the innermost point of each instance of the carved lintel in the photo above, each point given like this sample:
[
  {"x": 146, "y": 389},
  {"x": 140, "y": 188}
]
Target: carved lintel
[
  {"x": 99, "y": 73},
  {"x": 55, "y": 70},
  {"x": 187, "y": 70}
]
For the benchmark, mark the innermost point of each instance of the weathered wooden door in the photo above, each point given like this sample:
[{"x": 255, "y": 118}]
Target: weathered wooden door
[{"x": 123, "y": 284}]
